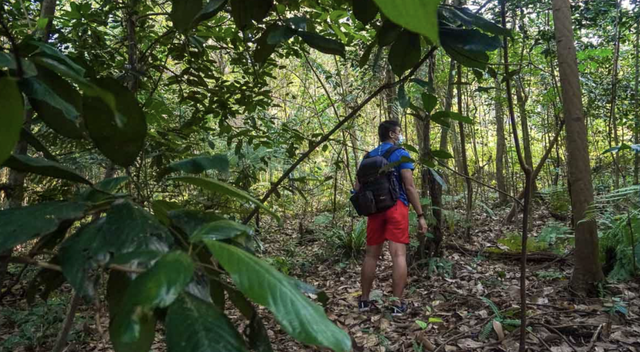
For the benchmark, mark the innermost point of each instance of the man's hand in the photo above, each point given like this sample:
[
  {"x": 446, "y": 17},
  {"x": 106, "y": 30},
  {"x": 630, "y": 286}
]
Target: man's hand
[{"x": 422, "y": 225}]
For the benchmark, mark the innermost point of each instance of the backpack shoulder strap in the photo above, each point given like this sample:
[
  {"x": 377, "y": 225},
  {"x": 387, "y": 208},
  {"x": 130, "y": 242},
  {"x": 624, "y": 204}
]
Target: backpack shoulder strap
[{"x": 387, "y": 154}]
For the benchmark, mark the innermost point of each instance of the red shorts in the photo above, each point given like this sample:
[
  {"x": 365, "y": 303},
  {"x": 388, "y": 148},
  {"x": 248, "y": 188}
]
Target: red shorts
[{"x": 392, "y": 225}]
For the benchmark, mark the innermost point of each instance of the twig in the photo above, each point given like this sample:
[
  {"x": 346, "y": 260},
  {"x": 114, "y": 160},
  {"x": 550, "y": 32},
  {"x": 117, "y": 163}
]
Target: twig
[
  {"x": 44, "y": 265},
  {"x": 595, "y": 338},
  {"x": 457, "y": 337},
  {"x": 541, "y": 340},
  {"x": 328, "y": 135},
  {"x": 557, "y": 332},
  {"x": 61, "y": 341}
]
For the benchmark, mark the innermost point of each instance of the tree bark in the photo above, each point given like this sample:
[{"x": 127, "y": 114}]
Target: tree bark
[
  {"x": 391, "y": 95},
  {"x": 636, "y": 101},
  {"x": 465, "y": 166},
  {"x": 448, "y": 101},
  {"x": 587, "y": 270},
  {"x": 613, "y": 121},
  {"x": 501, "y": 144}
]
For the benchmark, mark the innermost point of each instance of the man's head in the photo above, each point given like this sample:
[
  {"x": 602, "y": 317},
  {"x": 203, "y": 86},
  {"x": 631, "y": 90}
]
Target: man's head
[{"x": 390, "y": 131}]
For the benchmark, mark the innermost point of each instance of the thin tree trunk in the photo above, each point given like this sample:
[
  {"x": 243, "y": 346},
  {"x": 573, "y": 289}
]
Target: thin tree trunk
[
  {"x": 636, "y": 101},
  {"x": 587, "y": 270},
  {"x": 448, "y": 101},
  {"x": 527, "y": 188},
  {"x": 500, "y": 141},
  {"x": 465, "y": 166},
  {"x": 613, "y": 121},
  {"x": 391, "y": 95}
]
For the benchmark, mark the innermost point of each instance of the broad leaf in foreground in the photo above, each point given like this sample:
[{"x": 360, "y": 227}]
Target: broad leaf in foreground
[
  {"x": 194, "y": 325},
  {"x": 44, "y": 167},
  {"x": 223, "y": 188},
  {"x": 19, "y": 225},
  {"x": 420, "y": 16},
  {"x": 301, "y": 318},
  {"x": 158, "y": 287},
  {"x": 12, "y": 109},
  {"x": 199, "y": 164}
]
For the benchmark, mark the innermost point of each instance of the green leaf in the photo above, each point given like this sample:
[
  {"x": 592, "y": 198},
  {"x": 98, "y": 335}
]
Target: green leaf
[
  {"x": 364, "y": 59},
  {"x": 48, "y": 51},
  {"x": 212, "y": 8},
  {"x": 403, "y": 99},
  {"x": 117, "y": 286},
  {"x": 388, "y": 33},
  {"x": 429, "y": 102},
  {"x": 223, "y": 188},
  {"x": 241, "y": 13},
  {"x": 199, "y": 164},
  {"x": 440, "y": 120},
  {"x": 125, "y": 228},
  {"x": 194, "y": 325},
  {"x": 35, "y": 89},
  {"x": 260, "y": 9},
  {"x": 365, "y": 10},
  {"x": 121, "y": 144},
  {"x": 221, "y": 230},
  {"x": 419, "y": 16},
  {"x": 322, "y": 44},
  {"x": 189, "y": 221},
  {"x": 23, "y": 224},
  {"x": 441, "y": 154},
  {"x": 184, "y": 12},
  {"x": 438, "y": 178},
  {"x": 421, "y": 324},
  {"x": 469, "y": 46},
  {"x": 158, "y": 287},
  {"x": 9, "y": 61},
  {"x": 267, "y": 42},
  {"x": 469, "y": 19},
  {"x": 12, "y": 108},
  {"x": 435, "y": 320},
  {"x": 299, "y": 317},
  {"x": 44, "y": 167},
  {"x": 59, "y": 105},
  {"x": 102, "y": 190},
  {"x": 280, "y": 34},
  {"x": 405, "y": 52},
  {"x": 452, "y": 115}
]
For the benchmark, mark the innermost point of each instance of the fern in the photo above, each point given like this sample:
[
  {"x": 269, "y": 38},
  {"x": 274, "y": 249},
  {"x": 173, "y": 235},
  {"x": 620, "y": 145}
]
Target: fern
[
  {"x": 486, "y": 331},
  {"x": 493, "y": 307}
]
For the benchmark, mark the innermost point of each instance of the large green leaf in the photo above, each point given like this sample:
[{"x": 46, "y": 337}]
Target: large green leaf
[
  {"x": 322, "y": 44},
  {"x": 365, "y": 10},
  {"x": 212, "y": 8},
  {"x": 194, "y": 325},
  {"x": 19, "y": 225},
  {"x": 199, "y": 164},
  {"x": 241, "y": 13},
  {"x": 260, "y": 9},
  {"x": 429, "y": 102},
  {"x": 121, "y": 144},
  {"x": 35, "y": 89},
  {"x": 8, "y": 60},
  {"x": 456, "y": 116},
  {"x": 12, "y": 109},
  {"x": 388, "y": 33},
  {"x": 223, "y": 188},
  {"x": 158, "y": 287},
  {"x": 183, "y": 13},
  {"x": 299, "y": 317},
  {"x": 469, "y": 46},
  {"x": 419, "y": 16},
  {"x": 263, "y": 48},
  {"x": 44, "y": 167},
  {"x": 221, "y": 230},
  {"x": 102, "y": 190},
  {"x": 189, "y": 220},
  {"x": 60, "y": 117},
  {"x": 470, "y": 19},
  {"x": 405, "y": 52},
  {"x": 255, "y": 331},
  {"x": 125, "y": 228},
  {"x": 117, "y": 285}
]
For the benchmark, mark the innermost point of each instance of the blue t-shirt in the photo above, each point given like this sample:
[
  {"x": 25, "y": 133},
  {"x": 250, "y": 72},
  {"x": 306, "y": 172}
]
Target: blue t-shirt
[{"x": 395, "y": 157}]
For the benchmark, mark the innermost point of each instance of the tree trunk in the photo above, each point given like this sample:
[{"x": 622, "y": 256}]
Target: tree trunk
[
  {"x": 587, "y": 270},
  {"x": 613, "y": 121},
  {"x": 501, "y": 145},
  {"x": 448, "y": 101},
  {"x": 465, "y": 166},
  {"x": 391, "y": 95},
  {"x": 524, "y": 121},
  {"x": 636, "y": 101}
]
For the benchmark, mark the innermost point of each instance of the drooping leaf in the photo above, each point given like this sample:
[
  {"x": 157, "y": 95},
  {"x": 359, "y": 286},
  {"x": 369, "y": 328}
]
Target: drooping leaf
[
  {"x": 212, "y": 8},
  {"x": 220, "y": 230},
  {"x": 280, "y": 34},
  {"x": 469, "y": 46},
  {"x": 438, "y": 178},
  {"x": 121, "y": 144},
  {"x": 8, "y": 61},
  {"x": 241, "y": 13},
  {"x": 260, "y": 9},
  {"x": 62, "y": 118},
  {"x": 223, "y": 188},
  {"x": 419, "y": 16},
  {"x": 404, "y": 53},
  {"x": 269, "y": 39},
  {"x": 403, "y": 99},
  {"x": 322, "y": 44},
  {"x": 44, "y": 167},
  {"x": 184, "y": 12},
  {"x": 103, "y": 189},
  {"x": 48, "y": 51},
  {"x": 365, "y": 10},
  {"x": 117, "y": 286},
  {"x": 194, "y": 325},
  {"x": 441, "y": 154},
  {"x": 199, "y": 164},
  {"x": 471, "y": 19},
  {"x": 299, "y": 317},
  {"x": 19, "y": 225},
  {"x": 429, "y": 102},
  {"x": 189, "y": 221},
  {"x": 388, "y": 33},
  {"x": 36, "y": 90},
  {"x": 456, "y": 116},
  {"x": 12, "y": 108},
  {"x": 157, "y": 287},
  {"x": 364, "y": 59},
  {"x": 34, "y": 142}
]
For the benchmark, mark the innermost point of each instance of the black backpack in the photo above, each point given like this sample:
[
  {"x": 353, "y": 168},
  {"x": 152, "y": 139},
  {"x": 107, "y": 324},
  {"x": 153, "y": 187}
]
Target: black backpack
[{"x": 379, "y": 188}]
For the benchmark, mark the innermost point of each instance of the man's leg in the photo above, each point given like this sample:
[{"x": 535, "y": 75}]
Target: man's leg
[
  {"x": 368, "y": 273},
  {"x": 399, "y": 258}
]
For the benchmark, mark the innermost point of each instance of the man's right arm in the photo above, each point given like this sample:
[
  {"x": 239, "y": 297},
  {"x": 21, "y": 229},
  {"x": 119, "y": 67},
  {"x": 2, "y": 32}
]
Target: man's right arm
[{"x": 414, "y": 198}]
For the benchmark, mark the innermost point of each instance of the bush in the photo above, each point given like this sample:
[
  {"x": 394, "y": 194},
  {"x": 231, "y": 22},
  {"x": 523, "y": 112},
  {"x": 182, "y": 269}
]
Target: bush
[{"x": 351, "y": 244}]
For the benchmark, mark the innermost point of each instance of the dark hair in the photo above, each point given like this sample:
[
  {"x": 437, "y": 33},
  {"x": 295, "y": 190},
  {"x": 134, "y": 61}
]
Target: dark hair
[{"x": 387, "y": 127}]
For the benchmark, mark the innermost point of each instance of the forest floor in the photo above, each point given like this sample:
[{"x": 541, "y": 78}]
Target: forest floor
[{"x": 469, "y": 303}]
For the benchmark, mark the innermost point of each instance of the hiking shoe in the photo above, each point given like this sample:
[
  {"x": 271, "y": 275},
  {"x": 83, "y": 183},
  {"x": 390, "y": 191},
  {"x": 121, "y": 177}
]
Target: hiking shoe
[
  {"x": 399, "y": 310},
  {"x": 365, "y": 306}
]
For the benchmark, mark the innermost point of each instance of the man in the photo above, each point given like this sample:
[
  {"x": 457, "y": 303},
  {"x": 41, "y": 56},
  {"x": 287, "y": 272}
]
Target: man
[{"x": 391, "y": 224}]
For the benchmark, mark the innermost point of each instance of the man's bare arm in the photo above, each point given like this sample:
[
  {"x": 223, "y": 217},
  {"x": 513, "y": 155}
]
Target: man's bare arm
[{"x": 410, "y": 188}]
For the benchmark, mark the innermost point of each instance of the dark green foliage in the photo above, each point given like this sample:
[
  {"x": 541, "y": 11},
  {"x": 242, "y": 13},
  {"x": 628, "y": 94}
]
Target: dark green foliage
[
  {"x": 183, "y": 12},
  {"x": 12, "y": 117},
  {"x": 199, "y": 164},
  {"x": 44, "y": 167},
  {"x": 365, "y": 10},
  {"x": 405, "y": 52},
  {"x": 322, "y": 44}
]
